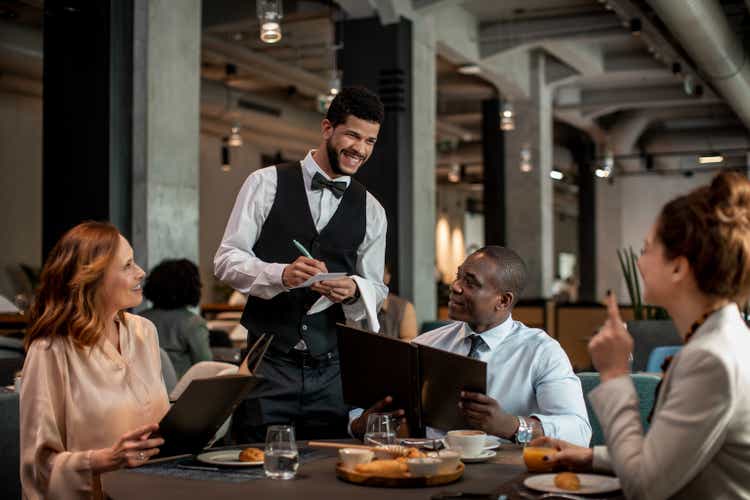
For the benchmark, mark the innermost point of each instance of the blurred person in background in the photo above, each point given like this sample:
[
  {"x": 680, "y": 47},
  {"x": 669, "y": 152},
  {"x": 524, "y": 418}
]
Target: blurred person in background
[{"x": 173, "y": 287}]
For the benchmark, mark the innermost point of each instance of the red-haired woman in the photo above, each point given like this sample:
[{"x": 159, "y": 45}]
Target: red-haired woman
[
  {"x": 92, "y": 385},
  {"x": 696, "y": 264}
]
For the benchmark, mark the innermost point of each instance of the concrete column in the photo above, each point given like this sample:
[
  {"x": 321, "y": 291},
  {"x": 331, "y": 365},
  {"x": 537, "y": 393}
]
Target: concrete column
[
  {"x": 529, "y": 196},
  {"x": 420, "y": 231},
  {"x": 166, "y": 137}
]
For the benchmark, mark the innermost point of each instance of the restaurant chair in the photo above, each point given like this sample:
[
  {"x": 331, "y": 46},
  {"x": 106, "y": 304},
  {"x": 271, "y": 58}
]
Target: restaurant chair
[
  {"x": 648, "y": 335},
  {"x": 11, "y": 359},
  {"x": 658, "y": 355},
  {"x": 168, "y": 372},
  {"x": 205, "y": 369},
  {"x": 10, "y": 446},
  {"x": 645, "y": 387}
]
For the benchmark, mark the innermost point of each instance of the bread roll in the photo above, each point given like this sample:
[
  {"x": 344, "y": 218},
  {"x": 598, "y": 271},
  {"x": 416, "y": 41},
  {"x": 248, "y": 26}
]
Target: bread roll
[
  {"x": 568, "y": 481},
  {"x": 251, "y": 455},
  {"x": 383, "y": 468}
]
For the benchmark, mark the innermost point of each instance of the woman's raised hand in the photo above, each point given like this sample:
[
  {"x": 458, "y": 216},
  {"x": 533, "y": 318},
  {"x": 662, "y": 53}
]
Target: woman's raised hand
[
  {"x": 612, "y": 346},
  {"x": 132, "y": 449}
]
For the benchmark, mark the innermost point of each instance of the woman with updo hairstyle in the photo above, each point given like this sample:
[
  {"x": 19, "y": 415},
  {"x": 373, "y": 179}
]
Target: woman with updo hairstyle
[
  {"x": 92, "y": 388},
  {"x": 173, "y": 286},
  {"x": 696, "y": 264}
]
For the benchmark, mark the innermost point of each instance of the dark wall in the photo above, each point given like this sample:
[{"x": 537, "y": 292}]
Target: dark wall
[
  {"x": 88, "y": 69},
  {"x": 379, "y": 57}
]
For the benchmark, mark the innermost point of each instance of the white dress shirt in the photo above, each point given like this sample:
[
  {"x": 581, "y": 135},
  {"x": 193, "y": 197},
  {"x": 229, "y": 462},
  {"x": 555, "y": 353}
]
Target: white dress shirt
[
  {"x": 528, "y": 374},
  {"x": 236, "y": 264}
]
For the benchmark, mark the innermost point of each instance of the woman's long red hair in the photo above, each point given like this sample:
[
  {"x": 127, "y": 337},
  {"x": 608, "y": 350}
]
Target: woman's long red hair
[{"x": 66, "y": 304}]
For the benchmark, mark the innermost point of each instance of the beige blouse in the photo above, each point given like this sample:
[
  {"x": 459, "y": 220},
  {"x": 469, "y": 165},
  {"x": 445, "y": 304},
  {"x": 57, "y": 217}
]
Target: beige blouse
[{"x": 74, "y": 401}]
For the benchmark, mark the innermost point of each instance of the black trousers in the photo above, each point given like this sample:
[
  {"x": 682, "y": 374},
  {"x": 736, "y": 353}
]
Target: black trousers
[{"x": 300, "y": 390}]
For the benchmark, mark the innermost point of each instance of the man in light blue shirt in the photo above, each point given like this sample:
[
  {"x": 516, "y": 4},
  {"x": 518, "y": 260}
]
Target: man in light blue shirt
[{"x": 531, "y": 388}]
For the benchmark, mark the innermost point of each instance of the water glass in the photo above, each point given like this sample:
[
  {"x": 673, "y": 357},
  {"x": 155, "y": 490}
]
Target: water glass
[
  {"x": 381, "y": 429},
  {"x": 281, "y": 455}
]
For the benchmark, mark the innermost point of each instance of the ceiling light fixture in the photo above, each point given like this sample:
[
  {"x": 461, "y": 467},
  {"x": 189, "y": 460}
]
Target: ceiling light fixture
[
  {"x": 269, "y": 16},
  {"x": 235, "y": 139},
  {"x": 556, "y": 175},
  {"x": 525, "y": 164},
  {"x": 608, "y": 165},
  {"x": 454, "y": 175},
  {"x": 507, "y": 117},
  {"x": 469, "y": 69},
  {"x": 635, "y": 26},
  {"x": 712, "y": 157},
  {"x": 226, "y": 166}
]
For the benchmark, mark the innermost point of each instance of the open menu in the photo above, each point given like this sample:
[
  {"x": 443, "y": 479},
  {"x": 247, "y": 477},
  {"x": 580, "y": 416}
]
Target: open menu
[{"x": 425, "y": 382}]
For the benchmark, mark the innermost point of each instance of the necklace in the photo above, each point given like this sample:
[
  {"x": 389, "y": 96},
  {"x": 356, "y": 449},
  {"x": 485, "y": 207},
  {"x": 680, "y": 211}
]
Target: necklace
[{"x": 698, "y": 323}]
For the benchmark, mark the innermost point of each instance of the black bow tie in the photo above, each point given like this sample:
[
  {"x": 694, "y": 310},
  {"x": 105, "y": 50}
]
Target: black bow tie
[{"x": 320, "y": 182}]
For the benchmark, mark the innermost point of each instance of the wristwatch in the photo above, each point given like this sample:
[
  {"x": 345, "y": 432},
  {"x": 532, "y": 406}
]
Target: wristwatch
[{"x": 525, "y": 431}]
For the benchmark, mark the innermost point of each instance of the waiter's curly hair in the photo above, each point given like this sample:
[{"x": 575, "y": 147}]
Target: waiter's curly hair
[
  {"x": 357, "y": 101},
  {"x": 173, "y": 284}
]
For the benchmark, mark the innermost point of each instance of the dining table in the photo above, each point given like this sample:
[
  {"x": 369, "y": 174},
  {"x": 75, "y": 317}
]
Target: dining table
[{"x": 498, "y": 477}]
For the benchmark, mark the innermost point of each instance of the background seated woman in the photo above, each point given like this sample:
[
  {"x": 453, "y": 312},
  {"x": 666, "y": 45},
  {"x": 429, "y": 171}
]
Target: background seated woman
[
  {"x": 92, "y": 386},
  {"x": 173, "y": 286},
  {"x": 696, "y": 264}
]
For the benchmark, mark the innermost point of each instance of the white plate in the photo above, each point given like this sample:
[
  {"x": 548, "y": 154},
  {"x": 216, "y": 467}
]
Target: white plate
[
  {"x": 590, "y": 483},
  {"x": 229, "y": 458},
  {"x": 485, "y": 455}
]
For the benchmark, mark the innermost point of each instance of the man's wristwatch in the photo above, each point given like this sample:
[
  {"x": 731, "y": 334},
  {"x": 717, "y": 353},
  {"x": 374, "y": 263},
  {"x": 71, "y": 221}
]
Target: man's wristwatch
[{"x": 525, "y": 431}]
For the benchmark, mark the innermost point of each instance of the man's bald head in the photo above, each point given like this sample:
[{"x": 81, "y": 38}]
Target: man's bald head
[{"x": 510, "y": 271}]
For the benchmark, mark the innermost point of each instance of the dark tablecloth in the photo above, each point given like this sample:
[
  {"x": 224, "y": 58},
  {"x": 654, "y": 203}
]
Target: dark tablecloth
[{"x": 316, "y": 479}]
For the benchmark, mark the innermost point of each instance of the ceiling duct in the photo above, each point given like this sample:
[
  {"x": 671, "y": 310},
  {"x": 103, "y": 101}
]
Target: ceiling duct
[{"x": 704, "y": 32}]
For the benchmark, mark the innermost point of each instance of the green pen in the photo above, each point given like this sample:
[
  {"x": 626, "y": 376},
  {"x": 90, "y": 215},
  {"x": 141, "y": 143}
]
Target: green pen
[{"x": 302, "y": 249}]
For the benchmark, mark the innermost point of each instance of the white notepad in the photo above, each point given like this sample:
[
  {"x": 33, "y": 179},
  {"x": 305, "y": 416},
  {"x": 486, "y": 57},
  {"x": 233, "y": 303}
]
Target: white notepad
[{"x": 320, "y": 277}]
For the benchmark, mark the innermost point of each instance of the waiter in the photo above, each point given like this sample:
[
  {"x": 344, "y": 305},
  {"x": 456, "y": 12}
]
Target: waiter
[{"x": 342, "y": 227}]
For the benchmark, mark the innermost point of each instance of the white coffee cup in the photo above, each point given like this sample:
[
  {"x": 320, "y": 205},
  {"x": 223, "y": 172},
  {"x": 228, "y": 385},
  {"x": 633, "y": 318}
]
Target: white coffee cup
[
  {"x": 351, "y": 457},
  {"x": 470, "y": 441}
]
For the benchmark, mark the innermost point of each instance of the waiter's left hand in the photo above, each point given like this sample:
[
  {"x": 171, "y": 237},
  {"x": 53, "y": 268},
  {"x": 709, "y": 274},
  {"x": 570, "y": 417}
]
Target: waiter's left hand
[
  {"x": 337, "y": 290},
  {"x": 484, "y": 413}
]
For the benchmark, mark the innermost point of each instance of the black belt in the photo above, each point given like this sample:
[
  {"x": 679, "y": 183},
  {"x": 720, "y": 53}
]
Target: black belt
[{"x": 307, "y": 360}]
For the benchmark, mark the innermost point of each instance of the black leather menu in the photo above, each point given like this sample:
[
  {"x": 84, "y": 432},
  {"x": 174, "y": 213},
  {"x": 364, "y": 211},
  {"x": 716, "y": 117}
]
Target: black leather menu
[
  {"x": 198, "y": 413},
  {"x": 422, "y": 380}
]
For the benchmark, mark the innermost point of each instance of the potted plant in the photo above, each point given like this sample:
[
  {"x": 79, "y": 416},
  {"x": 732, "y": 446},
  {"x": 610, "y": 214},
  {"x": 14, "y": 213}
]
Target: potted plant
[{"x": 651, "y": 326}]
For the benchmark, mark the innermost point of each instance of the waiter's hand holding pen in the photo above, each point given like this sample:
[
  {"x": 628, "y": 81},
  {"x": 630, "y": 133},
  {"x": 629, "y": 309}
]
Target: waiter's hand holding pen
[{"x": 302, "y": 269}]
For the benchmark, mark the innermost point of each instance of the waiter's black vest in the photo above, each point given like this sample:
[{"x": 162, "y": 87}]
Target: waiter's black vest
[{"x": 285, "y": 315}]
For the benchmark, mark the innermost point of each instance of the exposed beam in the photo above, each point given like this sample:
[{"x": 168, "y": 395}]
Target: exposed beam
[
  {"x": 265, "y": 66},
  {"x": 503, "y": 36},
  {"x": 595, "y": 103}
]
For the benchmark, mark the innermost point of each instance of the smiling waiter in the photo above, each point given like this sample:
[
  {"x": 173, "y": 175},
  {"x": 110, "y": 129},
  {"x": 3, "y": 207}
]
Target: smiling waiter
[{"x": 317, "y": 203}]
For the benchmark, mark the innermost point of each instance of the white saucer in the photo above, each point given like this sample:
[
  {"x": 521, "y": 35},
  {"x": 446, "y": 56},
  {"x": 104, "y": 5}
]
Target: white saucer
[
  {"x": 229, "y": 458},
  {"x": 492, "y": 442},
  {"x": 485, "y": 455}
]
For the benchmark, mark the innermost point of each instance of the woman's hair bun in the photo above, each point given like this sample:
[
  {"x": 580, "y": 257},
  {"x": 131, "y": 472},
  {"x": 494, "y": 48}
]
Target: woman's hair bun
[{"x": 729, "y": 195}]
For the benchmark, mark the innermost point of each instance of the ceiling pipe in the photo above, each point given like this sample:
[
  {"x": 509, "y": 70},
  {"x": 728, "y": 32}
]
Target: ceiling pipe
[{"x": 704, "y": 32}]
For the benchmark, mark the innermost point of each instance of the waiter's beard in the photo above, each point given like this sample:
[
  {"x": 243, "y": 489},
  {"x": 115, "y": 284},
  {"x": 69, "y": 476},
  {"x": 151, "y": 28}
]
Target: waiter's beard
[{"x": 333, "y": 159}]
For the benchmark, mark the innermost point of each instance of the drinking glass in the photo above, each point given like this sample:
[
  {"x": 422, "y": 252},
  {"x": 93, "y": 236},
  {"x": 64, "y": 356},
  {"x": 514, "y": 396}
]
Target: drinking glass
[
  {"x": 281, "y": 456},
  {"x": 381, "y": 429}
]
